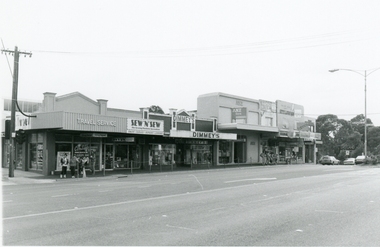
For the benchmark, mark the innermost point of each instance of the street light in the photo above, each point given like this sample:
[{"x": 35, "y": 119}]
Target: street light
[{"x": 366, "y": 73}]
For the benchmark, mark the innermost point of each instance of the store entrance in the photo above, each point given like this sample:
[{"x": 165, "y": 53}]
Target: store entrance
[
  {"x": 126, "y": 156},
  {"x": 108, "y": 156},
  {"x": 121, "y": 156}
]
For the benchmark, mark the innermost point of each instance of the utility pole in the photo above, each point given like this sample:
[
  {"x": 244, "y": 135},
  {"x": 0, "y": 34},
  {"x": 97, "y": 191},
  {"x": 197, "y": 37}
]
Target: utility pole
[{"x": 16, "y": 55}]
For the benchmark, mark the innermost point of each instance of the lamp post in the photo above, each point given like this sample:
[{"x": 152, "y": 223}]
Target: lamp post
[{"x": 365, "y": 74}]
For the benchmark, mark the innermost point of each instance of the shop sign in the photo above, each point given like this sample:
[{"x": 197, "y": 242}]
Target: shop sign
[
  {"x": 239, "y": 112},
  {"x": 196, "y": 142},
  {"x": 145, "y": 126},
  {"x": 184, "y": 119},
  {"x": 267, "y": 106},
  {"x": 124, "y": 139},
  {"x": 95, "y": 135},
  {"x": 91, "y": 121},
  {"x": 304, "y": 125},
  {"x": 22, "y": 122},
  {"x": 304, "y": 134},
  {"x": 283, "y": 133},
  {"x": 208, "y": 135},
  {"x": 310, "y": 135},
  {"x": 316, "y": 136},
  {"x": 202, "y": 135}
]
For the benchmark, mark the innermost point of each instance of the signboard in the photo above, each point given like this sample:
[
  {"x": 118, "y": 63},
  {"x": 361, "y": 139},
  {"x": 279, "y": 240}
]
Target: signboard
[
  {"x": 22, "y": 122},
  {"x": 203, "y": 135},
  {"x": 288, "y": 115},
  {"x": 124, "y": 139},
  {"x": 239, "y": 115},
  {"x": 95, "y": 135},
  {"x": 145, "y": 126}
]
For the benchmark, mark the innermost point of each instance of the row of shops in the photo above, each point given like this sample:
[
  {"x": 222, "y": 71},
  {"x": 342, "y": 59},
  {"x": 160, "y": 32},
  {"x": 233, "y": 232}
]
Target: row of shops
[{"x": 224, "y": 130}]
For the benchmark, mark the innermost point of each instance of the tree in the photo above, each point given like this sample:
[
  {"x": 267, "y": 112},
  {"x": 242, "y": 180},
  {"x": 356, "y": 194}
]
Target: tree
[
  {"x": 339, "y": 135},
  {"x": 328, "y": 125},
  {"x": 373, "y": 140}
]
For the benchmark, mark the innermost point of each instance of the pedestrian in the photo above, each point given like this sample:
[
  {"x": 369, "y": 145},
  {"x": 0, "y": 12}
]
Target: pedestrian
[
  {"x": 64, "y": 163},
  {"x": 263, "y": 158},
  {"x": 73, "y": 164}
]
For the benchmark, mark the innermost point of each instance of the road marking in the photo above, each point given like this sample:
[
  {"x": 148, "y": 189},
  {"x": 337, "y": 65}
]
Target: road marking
[
  {"x": 250, "y": 179},
  {"x": 126, "y": 202},
  {"x": 329, "y": 211},
  {"x": 181, "y": 227},
  {"x": 197, "y": 180},
  {"x": 61, "y": 195},
  {"x": 215, "y": 209},
  {"x": 7, "y": 201}
]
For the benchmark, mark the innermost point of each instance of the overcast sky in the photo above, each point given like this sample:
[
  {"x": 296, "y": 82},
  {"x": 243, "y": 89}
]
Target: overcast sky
[{"x": 167, "y": 53}]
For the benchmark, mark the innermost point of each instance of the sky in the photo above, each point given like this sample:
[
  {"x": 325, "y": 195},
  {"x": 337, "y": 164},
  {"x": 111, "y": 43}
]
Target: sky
[{"x": 141, "y": 53}]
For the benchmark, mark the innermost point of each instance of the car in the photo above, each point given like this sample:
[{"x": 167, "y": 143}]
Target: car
[
  {"x": 349, "y": 161},
  {"x": 329, "y": 160},
  {"x": 360, "y": 159},
  {"x": 363, "y": 160}
]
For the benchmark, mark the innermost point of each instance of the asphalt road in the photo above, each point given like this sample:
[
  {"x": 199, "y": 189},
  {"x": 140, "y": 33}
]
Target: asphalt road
[{"x": 303, "y": 205}]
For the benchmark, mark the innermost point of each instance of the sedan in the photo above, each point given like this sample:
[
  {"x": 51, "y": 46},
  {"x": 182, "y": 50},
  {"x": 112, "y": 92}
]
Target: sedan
[
  {"x": 329, "y": 160},
  {"x": 360, "y": 159},
  {"x": 349, "y": 161}
]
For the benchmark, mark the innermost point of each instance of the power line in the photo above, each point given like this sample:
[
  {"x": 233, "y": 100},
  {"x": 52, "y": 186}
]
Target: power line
[{"x": 255, "y": 47}]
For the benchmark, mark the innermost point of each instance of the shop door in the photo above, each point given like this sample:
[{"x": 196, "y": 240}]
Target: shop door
[
  {"x": 133, "y": 156},
  {"x": 109, "y": 156}
]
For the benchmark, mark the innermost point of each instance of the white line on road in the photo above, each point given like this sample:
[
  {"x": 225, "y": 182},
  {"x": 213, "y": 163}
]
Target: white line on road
[
  {"x": 197, "y": 180},
  {"x": 125, "y": 202},
  {"x": 180, "y": 227},
  {"x": 61, "y": 195},
  {"x": 250, "y": 179},
  {"x": 329, "y": 211}
]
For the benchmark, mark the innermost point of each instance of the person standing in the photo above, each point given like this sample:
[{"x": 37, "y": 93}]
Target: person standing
[
  {"x": 73, "y": 164},
  {"x": 264, "y": 158},
  {"x": 64, "y": 163}
]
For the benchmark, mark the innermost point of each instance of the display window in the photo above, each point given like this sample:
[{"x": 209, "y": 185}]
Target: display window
[
  {"x": 198, "y": 154},
  {"x": 126, "y": 156},
  {"x": 36, "y": 148},
  {"x": 225, "y": 152},
  {"x": 162, "y": 154},
  {"x": 19, "y": 157}
]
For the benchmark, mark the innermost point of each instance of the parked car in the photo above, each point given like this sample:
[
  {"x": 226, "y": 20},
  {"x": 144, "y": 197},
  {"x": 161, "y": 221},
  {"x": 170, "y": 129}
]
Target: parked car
[
  {"x": 369, "y": 160},
  {"x": 329, "y": 160},
  {"x": 360, "y": 159},
  {"x": 349, "y": 161}
]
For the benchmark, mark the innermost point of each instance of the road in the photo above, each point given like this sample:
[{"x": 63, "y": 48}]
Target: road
[{"x": 303, "y": 205}]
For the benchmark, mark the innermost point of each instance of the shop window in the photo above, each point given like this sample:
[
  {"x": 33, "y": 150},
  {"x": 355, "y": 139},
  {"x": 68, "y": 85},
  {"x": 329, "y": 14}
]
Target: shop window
[
  {"x": 240, "y": 147},
  {"x": 126, "y": 156},
  {"x": 198, "y": 155},
  {"x": 36, "y": 156},
  {"x": 36, "y": 152},
  {"x": 162, "y": 154},
  {"x": 224, "y": 152},
  {"x": 19, "y": 158}
]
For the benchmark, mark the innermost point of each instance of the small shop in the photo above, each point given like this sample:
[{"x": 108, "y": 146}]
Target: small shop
[{"x": 194, "y": 151}]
